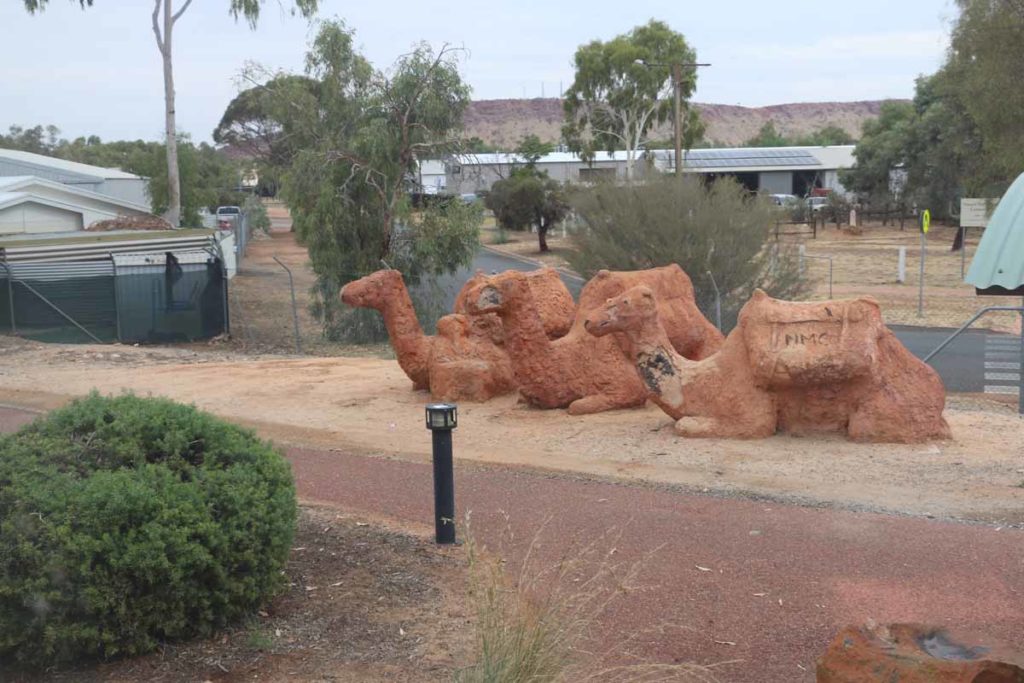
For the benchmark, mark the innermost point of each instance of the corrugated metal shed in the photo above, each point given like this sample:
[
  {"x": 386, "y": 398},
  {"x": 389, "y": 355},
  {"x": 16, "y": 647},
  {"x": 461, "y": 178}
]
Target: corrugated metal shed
[
  {"x": 94, "y": 250},
  {"x": 999, "y": 261},
  {"x": 54, "y": 272},
  {"x": 160, "y": 259},
  {"x": 750, "y": 158}
]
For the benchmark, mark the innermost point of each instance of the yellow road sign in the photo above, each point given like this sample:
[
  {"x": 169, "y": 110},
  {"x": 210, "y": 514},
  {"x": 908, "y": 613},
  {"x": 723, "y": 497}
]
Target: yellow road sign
[{"x": 926, "y": 221}]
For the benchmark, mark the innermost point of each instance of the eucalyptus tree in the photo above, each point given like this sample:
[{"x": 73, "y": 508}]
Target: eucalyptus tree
[
  {"x": 623, "y": 89},
  {"x": 164, "y": 20},
  {"x": 357, "y": 136},
  {"x": 984, "y": 70}
]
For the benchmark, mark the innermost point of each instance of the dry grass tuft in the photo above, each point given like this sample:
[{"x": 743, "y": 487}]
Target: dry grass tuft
[{"x": 537, "y": 624}]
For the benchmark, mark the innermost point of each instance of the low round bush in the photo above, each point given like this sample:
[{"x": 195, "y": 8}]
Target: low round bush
[{"x": 127, "y": 521}]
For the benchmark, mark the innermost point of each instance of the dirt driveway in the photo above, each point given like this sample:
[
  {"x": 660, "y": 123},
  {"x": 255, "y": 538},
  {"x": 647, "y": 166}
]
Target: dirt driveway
[{"x": 366, "y": 406}]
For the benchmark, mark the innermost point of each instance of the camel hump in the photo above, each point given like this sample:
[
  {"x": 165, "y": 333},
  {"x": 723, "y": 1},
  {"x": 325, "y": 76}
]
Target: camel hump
[
  {"x": 642, "y": 291},
  {"x": 603, "y": 273}
]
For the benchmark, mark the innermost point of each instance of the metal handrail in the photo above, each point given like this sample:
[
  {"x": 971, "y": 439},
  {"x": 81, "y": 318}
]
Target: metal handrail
[
  {"x": 963, "y": 328},
  {"x": 990, "y": 309}
]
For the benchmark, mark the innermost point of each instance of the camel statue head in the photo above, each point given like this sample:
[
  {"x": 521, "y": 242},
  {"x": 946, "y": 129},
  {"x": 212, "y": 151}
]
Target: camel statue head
[
  {"x": 374, "y": 290},
  {"x": 627, "y": 311},
  {"x": 493, "y": 294}
]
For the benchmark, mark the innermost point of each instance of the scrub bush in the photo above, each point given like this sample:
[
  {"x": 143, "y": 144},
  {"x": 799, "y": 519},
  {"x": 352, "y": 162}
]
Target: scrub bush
[
  {"x": 126, "y": 522},
  {"x": 715, "y": 228}
]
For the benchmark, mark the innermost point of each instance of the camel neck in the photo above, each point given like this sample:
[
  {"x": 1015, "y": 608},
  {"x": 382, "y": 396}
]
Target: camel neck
[
  {"x": 649, "y": 337},
  {"x": 400, "y": 317},
  {"x": 525, "y": 334}
]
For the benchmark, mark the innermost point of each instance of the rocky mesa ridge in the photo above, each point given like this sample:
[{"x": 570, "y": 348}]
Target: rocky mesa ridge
[{"x": 504, "y": 122}]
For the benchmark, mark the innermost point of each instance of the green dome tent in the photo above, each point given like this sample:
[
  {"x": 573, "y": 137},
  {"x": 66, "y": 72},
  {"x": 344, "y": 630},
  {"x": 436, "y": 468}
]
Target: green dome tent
[{"x": 998, "y": 265}]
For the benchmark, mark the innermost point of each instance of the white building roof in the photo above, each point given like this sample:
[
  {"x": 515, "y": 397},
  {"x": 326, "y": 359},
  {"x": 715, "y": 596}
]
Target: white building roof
[
  {"x": 509, "y": 158},
  {"x": 20, "y": 187},
  {"x": 64, "y": 165},
  {"x": 726, "y": 159}
]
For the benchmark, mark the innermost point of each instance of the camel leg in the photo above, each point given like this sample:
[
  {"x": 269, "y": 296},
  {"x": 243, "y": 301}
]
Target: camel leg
[
  {"x": 596, "y": 403},
  {"x": 881, "y": 420},
  {"x": 736, "y": 427}
]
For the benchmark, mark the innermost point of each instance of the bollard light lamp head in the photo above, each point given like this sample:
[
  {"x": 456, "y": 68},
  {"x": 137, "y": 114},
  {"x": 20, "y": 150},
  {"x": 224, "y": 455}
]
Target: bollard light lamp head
[{"x": 442, "y": 416}]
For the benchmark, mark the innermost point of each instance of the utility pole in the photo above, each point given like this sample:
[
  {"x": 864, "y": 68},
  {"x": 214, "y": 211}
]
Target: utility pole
[
  {"x": 677, "y": 86},
  {"x": 677, "y": 110}
]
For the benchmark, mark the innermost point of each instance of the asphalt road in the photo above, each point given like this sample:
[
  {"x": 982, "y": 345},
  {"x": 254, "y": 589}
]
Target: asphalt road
[{"x": 961, "y": 365}]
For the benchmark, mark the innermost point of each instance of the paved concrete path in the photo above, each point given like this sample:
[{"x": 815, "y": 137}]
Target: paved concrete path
[{"x": 777, "y": 581}]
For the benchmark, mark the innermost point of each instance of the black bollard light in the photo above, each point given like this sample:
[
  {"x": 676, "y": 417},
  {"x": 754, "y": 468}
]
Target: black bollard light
[{"x": 442, "y": 418}]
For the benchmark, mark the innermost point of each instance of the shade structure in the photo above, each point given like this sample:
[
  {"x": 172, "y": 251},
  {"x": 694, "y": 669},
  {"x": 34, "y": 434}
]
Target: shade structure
[{"x": 998, "y": 265}]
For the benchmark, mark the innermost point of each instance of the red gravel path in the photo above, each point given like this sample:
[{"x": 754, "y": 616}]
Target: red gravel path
[{"x": 818, "y": 569}]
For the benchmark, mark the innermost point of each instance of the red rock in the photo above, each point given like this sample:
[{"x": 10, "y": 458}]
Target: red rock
[{"x": 913, "y": 653}]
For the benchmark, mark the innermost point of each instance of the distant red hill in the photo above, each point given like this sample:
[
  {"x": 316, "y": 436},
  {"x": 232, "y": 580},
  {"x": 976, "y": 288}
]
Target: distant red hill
[{"x": 504, "y": 122}]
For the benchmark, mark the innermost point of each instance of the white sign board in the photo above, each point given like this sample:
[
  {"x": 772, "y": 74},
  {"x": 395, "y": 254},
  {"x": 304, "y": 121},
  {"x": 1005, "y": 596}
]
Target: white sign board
[{"x": 975, "y": 213}]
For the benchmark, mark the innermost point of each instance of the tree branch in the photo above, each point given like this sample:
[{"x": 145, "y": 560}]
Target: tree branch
[
  {"x": 177, "y": 15},
  {"x": 156, "y": 26}
]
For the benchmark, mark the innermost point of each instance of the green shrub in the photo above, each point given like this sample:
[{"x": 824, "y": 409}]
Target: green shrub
[
  {"x": 125, "y": 522},
  {"x": 708, "y": 229},
  {"x": 259, "y": 219}
]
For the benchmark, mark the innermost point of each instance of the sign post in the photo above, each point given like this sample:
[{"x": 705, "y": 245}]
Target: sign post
[
  {"x": 974, "y": 213},
  {"x": 926, "y": 224}
]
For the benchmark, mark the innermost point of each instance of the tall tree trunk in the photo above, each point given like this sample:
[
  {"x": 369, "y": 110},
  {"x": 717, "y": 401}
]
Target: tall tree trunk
[
  {"x": 173, "y": 214},
  {"x": 542, "y": 235}
]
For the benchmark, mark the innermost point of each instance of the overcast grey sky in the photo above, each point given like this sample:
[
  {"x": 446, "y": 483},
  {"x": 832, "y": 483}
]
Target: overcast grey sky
[{"x": 98, "y": 71}]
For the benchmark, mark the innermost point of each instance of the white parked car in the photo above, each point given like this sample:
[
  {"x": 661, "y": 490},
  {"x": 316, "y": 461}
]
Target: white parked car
[
  {"x": 816, "y": 204},
  {"x": 782, "y": 199},
  {"x": 228, "y": 217}
]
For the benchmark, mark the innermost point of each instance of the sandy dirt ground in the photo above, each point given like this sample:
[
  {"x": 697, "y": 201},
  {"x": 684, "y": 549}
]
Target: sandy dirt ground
[{"x": 366, "y": 406}]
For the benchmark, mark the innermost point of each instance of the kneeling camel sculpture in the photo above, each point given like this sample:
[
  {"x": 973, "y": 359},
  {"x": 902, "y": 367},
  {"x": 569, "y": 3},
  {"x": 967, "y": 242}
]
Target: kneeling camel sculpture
[
  {"x": 466, "y": 360},
  {"x": 795, "y": 367}
]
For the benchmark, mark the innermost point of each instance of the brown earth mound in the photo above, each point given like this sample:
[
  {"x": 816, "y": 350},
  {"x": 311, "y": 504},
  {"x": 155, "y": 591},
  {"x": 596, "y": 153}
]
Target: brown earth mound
[{"x": 130, "y": 223}]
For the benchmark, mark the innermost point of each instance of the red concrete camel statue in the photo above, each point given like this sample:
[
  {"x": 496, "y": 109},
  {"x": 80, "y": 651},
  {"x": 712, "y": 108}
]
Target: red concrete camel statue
[
  {"x": 466, "y": 359},
  {"x": 796, "y": 367},
  {"x": 578, "y": 371}
]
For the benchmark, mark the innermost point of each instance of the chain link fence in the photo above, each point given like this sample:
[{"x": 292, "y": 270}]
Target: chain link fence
[{"x": 884, "y": 262}]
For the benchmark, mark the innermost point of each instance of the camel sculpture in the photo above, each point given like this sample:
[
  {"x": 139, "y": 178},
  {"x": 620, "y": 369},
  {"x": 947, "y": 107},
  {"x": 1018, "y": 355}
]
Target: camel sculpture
[
  {"x": 692, "y": 335},
  {"x": 578, "y": 371},
  {"x": 555, "y": 303},
  {"x": 788, "y": 366},
  {"x": 466, "y": 359}
]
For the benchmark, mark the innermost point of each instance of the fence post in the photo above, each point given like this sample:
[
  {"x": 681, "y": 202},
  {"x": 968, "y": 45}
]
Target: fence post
[
  {"x": 1020, "y": 382},
  {"x": 920, "y": 285},
  {"x": 117, "y": 302},
  {"x": 295, "y": 312},
  {"x": 718, "y": 302},
  {"x": 10, "y": 296},
  {"x": 963, "y": 252},
  {"x": 901, "y": 266}
]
